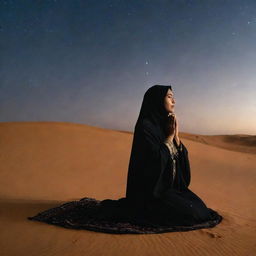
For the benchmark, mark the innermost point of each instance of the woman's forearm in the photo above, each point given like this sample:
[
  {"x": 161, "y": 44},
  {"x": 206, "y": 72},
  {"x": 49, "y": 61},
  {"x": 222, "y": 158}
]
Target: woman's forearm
[{"x": 177, "y": 140}]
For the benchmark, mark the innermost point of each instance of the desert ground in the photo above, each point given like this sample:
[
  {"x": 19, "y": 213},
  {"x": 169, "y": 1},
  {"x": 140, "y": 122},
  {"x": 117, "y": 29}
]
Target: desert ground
[{"x": 45, "y": 164}]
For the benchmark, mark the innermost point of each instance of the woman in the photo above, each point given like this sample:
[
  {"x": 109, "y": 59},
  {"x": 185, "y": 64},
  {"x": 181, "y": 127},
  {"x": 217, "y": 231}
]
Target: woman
[
  {"x": 159, "y": 169},
  {"x": 157, "y": 195}
]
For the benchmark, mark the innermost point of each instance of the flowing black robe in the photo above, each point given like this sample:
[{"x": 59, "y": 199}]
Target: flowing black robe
[{"x": 150, "y": 183}]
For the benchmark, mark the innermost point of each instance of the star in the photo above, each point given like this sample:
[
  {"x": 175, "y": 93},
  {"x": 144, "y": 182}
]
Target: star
[{"x": 253, "y": 20}]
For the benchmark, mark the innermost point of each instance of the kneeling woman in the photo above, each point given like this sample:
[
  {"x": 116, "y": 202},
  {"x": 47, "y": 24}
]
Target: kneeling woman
[{"x": 159, "y": 170}]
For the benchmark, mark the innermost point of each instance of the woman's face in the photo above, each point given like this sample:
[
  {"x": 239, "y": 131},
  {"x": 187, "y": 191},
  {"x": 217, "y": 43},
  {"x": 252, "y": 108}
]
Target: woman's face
[{"x": 169, "y": 101}]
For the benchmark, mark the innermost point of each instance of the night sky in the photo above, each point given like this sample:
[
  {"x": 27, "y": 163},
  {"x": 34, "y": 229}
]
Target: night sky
[{"x": 91, "y": 61}]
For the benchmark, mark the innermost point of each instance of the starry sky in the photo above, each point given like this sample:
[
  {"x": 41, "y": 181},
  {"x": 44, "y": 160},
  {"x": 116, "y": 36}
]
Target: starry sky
[{"x": 91, "y": 61}]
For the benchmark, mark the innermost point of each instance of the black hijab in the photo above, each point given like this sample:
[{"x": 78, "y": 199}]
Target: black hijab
[
  {"x": 150, "y": 156},
  {"x": 153, "y": 104}
]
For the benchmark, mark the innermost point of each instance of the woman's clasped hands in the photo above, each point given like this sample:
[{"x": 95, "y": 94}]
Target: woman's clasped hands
[{"x": 172, "y": 128}]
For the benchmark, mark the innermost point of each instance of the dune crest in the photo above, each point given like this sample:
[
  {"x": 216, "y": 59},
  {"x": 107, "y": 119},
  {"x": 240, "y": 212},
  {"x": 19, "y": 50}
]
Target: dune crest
[{"x": 240, "y": 143}]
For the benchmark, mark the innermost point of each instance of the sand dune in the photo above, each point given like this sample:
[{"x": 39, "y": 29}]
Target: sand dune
[
  {"x": 238, "y": 142},
  {"x": 44, "y": 164}
]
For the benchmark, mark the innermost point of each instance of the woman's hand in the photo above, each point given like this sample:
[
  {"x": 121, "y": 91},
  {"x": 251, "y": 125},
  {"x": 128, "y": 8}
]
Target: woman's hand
[
  {"x": 176, "y": 134},
  {"x": 170, "y": 128},
  {"x": 173, "y": 129}
]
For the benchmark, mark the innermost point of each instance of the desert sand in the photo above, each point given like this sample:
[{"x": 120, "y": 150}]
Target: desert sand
[{"x": 45, "y": 164}]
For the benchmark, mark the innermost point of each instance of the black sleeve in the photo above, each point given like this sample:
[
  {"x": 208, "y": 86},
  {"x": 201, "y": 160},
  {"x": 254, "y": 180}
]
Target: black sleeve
[
  {"x": 179, "y": 147},
  {"x": 155, "y": 148},
  {"x": 185, "y": 165},
  {"x": 159, "y": 156}
]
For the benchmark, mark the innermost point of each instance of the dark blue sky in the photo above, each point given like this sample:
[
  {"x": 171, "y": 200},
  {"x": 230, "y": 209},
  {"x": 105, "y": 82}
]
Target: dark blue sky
[{"x": 91, "y": 62}]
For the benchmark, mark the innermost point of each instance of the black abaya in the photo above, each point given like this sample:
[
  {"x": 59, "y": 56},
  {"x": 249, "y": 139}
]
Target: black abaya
[
  {"x": 153, "y": 185},
  {"x": 156, "y": 201}
]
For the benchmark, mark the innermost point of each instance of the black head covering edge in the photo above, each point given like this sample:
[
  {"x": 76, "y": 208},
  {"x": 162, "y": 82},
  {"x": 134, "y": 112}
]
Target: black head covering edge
[{"x": 152, "y": 106}]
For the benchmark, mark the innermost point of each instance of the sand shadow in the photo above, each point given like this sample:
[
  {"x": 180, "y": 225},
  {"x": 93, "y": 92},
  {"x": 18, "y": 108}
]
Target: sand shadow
[{"x": 19, "y": 209}]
